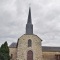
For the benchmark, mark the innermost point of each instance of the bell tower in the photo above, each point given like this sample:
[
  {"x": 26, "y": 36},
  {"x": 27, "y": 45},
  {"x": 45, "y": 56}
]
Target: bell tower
[
  {"x": 29, "y": 45},
  {"x": 29, "y": 25}
]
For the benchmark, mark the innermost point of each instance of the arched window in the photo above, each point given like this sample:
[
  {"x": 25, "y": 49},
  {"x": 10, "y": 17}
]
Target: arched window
[{"x": 29, "y": 43}]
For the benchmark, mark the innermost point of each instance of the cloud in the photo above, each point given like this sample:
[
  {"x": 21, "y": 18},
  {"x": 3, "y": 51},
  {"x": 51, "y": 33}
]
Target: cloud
[
  {"x": 45, "y": 17},
  {"x": 47, "y": 24}
]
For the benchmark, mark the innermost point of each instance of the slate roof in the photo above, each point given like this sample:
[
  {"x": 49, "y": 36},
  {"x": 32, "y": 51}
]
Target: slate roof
[
  {"x": 44, "y": 48},
  {"x": 50, "y": 49},
  {"x": 13, "y": 45}
]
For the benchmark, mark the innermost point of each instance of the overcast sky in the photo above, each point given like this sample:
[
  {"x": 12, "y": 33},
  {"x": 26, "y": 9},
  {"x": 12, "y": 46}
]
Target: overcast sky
[{"x": 45, "y": 18}]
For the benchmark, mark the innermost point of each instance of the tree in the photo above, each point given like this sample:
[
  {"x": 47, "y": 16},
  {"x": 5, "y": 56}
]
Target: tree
[{"x": 4, "y": 52}]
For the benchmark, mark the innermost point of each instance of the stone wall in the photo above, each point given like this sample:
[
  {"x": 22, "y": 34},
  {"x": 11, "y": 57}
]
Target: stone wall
[
  {"x": 50, "y": 55},
  {"x": 13, "y": 51},
  {"x": 22, "y": 52},
  {"x": 23, "y": 47}
]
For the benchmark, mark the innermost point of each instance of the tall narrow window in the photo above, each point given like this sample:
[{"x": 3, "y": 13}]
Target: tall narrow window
[{"x": 29, "y": 43}]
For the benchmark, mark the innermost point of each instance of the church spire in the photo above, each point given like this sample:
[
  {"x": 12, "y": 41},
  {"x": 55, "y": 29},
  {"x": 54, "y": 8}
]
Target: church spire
[
  {"x": 29, "y": 16},
  {"x": 29, "y": 25}
]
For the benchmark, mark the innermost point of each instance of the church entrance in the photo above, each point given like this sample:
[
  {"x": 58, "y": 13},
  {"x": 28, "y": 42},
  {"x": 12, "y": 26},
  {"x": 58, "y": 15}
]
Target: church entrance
[{"x": 29, "y": 55}]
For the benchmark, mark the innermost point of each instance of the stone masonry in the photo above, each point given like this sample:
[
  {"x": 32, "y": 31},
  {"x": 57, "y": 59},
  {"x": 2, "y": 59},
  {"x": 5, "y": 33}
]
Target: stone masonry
[{"x": 23, "y": 47}]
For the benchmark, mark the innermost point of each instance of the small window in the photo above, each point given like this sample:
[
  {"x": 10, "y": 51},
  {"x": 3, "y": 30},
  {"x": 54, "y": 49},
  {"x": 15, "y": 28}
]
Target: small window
[{"x": 29, "y": 43}]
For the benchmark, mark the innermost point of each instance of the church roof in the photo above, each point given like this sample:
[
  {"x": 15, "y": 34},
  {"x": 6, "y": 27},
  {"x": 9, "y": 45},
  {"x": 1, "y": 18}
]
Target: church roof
[
  {"x": 50, "y": 49},
  {"x": 44, "y": 48},
  {"x": 13, "y": 45}
]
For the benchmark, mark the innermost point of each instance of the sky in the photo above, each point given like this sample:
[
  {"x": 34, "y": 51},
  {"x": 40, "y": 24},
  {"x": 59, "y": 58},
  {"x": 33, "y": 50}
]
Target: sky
[{"x": 45, "y": 19}]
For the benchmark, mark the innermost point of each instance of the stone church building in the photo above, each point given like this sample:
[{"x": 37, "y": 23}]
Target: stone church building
[{"x": 28, "y": 46}]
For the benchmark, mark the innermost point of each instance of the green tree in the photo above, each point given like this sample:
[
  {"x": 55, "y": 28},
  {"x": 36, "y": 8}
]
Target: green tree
[{"x": 4, "y": 52}]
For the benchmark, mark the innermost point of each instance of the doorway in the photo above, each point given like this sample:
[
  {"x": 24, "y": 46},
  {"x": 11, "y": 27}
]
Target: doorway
[{"x": 29, "y": 55}]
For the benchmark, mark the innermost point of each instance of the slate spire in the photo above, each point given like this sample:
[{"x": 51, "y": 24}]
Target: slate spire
[
  {"x": 29, "y": 25},
  {"x": 29, "y": 16}
]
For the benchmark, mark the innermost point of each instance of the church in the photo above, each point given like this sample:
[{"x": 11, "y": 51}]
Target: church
[{"x": 28, "y": 46}]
